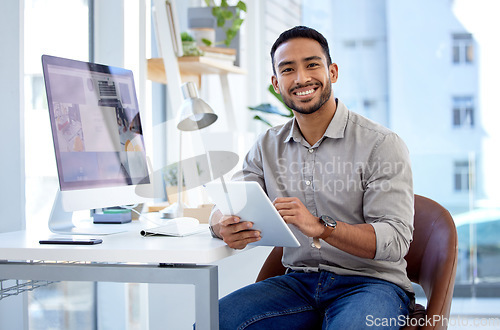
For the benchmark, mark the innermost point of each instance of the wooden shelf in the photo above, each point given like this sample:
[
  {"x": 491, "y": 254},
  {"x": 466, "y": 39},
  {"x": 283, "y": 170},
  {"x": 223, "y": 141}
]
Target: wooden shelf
[{"x": 191, "y": 68}]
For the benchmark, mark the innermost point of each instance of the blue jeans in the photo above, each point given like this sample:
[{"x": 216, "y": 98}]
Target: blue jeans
[{"x": 315, "y": 300}]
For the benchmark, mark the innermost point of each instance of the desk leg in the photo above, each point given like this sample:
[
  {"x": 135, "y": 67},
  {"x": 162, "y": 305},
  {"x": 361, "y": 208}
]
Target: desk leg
[
  {"x": 206, "y": 294},
  {"x": 167, "y": 302}
]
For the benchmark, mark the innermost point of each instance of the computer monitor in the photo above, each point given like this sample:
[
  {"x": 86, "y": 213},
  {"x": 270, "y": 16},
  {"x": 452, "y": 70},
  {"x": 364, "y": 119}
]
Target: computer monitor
[{"x": 98, "y": 141}]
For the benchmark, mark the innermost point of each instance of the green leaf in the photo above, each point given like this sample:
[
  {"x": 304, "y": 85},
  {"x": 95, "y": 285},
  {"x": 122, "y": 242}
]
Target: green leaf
[
  {"x": 220, "y": 21},
  {"x": 278, "y": 96},
  {"x": 216, "y": 11},
  {"x": 227, "y": 14},
  {"x": 241, "y": 5},
  {"x": 206, "y": 41},
  {"x": 231, "y": 33},
  {"x": 268, "y": 108},
  {"x": 224, "y": 4},
  {"x": 262, "y": 120},
  {"x": 237, "y": 23},
  {"x": 186, "y": 37}
]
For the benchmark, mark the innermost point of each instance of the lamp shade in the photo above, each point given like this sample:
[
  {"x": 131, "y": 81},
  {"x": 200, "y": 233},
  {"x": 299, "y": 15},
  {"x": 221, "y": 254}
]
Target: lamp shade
[{"x": 195, "y": 113}]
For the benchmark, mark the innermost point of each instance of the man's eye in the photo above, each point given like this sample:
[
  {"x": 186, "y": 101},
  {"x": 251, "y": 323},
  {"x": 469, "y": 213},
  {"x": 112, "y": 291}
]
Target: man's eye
[
  {"x": 286, "y": 70},
  {"x": 313, "y": 64}
]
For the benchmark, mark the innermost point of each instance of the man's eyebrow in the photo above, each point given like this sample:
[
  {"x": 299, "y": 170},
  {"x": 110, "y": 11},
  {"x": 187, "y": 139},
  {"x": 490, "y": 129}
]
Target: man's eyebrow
[
  {"x": 285, "y": 63},
  {"x": 312, "y": 58}
]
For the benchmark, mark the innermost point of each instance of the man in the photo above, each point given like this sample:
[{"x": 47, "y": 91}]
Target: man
[{"x": 344, "y": 185}]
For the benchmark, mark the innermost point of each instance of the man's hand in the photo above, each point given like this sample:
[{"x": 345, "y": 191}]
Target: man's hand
[
  {"x": 237, "y": 234},
  {"x": 294, "y": 212}
]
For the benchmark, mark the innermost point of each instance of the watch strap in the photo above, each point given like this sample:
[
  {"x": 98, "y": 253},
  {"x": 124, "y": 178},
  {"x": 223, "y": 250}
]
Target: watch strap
[{"x": 326, "y": 232}]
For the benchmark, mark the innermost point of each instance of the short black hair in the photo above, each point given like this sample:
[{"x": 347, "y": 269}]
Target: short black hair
[{"x": 301, "y": 32}]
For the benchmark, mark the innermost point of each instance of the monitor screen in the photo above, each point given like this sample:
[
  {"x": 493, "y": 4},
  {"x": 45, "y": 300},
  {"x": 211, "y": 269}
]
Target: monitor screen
[
  {"x": 96, "y": 124},
  {"x": 97, "y": 133}
]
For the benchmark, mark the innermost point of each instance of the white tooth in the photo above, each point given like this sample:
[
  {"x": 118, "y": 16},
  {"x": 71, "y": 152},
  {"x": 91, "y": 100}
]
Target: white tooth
[{"x": 305, "y": 93}]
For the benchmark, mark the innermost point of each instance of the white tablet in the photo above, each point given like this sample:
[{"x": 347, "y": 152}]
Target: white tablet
[{"x": 248, "y": 201}]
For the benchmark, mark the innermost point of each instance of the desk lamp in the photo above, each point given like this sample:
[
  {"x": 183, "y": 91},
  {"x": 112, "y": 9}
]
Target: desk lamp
[{"x": 193, "y": 115}]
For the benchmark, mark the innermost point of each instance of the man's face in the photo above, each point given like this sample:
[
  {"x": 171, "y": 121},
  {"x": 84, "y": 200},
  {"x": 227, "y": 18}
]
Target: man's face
[{"x": 303, "y": 77}]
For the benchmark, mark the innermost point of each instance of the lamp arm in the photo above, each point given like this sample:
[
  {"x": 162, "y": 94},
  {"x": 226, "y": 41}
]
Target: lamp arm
[{"x": 180, "y": 178}]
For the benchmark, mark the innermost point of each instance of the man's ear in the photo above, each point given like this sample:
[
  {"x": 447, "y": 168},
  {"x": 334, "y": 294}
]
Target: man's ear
[
  {"x": 334, "y": 72},
  {"x": 274, "y": 82}
]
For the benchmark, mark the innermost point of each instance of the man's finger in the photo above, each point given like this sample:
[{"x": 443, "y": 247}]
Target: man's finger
[
  {"x": 287, "y": 213},
  {"x": 284, "y": 206},
  {"x": 229, "y": 220},
  {"x": 284, "y": 199},
  {"x": 242, "y": 239}
]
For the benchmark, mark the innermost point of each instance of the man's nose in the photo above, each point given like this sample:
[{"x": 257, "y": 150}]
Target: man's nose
[{"x": 302, "y": 76}]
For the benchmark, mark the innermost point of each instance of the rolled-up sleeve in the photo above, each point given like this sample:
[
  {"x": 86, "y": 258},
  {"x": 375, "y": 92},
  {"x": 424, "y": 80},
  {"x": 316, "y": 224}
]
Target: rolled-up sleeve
[{"x": 388, "y": 200}]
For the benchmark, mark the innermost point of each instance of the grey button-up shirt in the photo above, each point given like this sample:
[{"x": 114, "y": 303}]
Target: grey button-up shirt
[{"x": 358, "y": 172}]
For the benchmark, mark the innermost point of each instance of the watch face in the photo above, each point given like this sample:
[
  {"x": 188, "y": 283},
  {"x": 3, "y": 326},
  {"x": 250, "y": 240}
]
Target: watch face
[{"x": 328, "y": 221}]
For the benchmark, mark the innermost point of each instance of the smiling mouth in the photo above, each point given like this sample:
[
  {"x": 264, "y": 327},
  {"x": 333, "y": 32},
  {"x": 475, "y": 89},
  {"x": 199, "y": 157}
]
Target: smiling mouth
[{"x": 307, "y": 92}]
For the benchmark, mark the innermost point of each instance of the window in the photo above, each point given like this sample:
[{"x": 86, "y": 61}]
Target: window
[
  {"x": 369, "y": 104},
  {"x": 457, "y": 170},
  {"x": 461, "y": 176},
  {"x": 463, "y": 48},
  {"x": 369, "y": 43},
  {"x": 350, "y": 44},
  {"x": 60, "y": 28},
  {"x": 463, "y": 111},
  {"x": 38, "y": 98}
]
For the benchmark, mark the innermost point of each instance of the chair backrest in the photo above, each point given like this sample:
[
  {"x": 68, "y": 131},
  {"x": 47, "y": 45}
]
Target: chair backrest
[{"x": 432, "y": 258}]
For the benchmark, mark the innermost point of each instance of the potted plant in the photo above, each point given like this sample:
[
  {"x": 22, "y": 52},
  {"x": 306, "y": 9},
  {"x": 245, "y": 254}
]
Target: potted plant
[
  {"x": 224, "y": 13},
  {"x": 272, "y": 109},
  {"x": 189, "y": 47}
]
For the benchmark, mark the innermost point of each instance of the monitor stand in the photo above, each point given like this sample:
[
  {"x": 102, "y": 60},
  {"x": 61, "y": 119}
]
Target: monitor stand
[{"x": 61, "y": 222}]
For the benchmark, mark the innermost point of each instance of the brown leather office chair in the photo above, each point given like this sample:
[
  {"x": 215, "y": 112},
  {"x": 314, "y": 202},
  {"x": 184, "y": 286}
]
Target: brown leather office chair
[{"x": 432, "y": 262}]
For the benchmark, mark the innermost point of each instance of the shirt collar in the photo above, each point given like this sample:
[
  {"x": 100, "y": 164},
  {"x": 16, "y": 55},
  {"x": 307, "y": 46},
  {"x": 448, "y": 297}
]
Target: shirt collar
[
  {"x": 335, "y": 129},
  {"x": 294, "y": 132}
]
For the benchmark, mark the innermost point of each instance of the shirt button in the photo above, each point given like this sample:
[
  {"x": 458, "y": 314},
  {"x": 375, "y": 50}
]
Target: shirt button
[
  {"x": 311, "y": 150},
  {"x": 313, "y": 245},
  {"x": 308, "y": 183}
]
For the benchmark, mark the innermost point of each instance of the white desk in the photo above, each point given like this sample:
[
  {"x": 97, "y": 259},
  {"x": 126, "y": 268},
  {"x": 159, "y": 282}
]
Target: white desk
[{"x": 127, "y": 258}]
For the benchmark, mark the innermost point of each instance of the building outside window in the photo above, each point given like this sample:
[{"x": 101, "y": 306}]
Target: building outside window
[
  {"x": 461, "y": 176},
  {"x": 463, "y": 48},
  {"x": 463, "y": 111},
  {"x": 431, "y": 76}
]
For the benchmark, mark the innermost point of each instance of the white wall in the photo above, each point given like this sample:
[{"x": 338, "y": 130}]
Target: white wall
[
  {"x": 12, "y": 215},
  {"x": 13, "y": 312}
]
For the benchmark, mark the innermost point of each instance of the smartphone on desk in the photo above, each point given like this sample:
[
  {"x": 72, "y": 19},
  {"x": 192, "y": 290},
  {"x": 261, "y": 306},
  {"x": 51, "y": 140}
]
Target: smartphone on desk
[{"x": 71, "y": 241}]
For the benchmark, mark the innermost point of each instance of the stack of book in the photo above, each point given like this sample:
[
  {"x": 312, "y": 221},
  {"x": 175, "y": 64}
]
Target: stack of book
[
  {"x": 112, "y": 215},
  {"x": 224, "y": 55}
]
